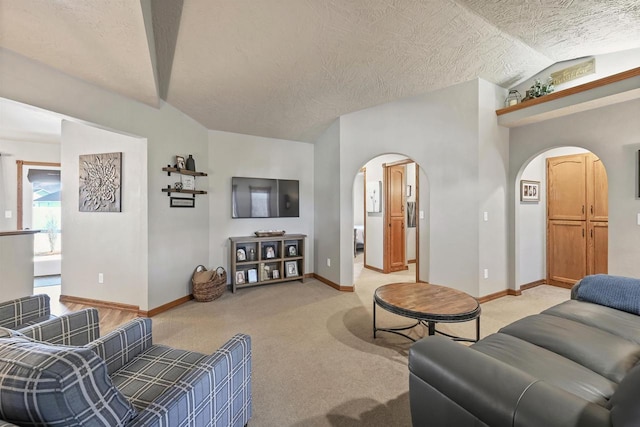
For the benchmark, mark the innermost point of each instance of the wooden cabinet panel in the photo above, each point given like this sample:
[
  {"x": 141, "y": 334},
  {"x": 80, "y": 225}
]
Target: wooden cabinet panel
[
  {"x": 577, "y": 206},
  {"x": 396, "y": 239},
  {"x": 566, "y": 187},
  {"x": 598, "y": 190},
  {"x": 566, "y": 252},
  {"x": 598, "y": 254}
]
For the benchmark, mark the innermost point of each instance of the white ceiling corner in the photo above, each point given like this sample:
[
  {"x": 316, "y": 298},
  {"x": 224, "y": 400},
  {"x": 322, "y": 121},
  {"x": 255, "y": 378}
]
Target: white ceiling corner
[{"x": 101, "y": 42}]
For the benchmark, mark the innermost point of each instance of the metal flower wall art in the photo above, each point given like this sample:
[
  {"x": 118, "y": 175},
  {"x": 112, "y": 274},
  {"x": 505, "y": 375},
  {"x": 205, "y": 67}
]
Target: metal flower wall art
[{"x": 100, "y": 182}]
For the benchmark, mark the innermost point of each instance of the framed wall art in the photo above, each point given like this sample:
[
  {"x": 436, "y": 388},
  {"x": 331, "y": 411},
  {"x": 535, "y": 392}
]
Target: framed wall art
[
  {"x": 182, "y": 202},
  {"x": 374, "y": 190},
  {"x": 100, "y": 182},
  {"x": 529, "y": 191}
]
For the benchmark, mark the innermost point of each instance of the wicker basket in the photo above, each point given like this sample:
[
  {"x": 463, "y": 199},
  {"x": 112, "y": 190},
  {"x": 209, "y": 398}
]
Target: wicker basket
[{"x": 208, "y": 284}]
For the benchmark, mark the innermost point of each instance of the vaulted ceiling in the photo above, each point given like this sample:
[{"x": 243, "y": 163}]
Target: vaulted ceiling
[{"x": 288, "y": 68}]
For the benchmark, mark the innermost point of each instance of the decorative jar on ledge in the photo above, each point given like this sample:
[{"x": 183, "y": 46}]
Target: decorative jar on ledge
[{"x": 513, "y": 98}]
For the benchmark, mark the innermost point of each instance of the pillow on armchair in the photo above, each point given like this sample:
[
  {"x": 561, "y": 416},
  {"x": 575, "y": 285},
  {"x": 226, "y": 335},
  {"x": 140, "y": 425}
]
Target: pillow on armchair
[{"x": 48, "y": 384}]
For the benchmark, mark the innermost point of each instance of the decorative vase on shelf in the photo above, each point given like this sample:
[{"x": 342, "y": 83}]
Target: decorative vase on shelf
[{"x": 191, "y": 163}]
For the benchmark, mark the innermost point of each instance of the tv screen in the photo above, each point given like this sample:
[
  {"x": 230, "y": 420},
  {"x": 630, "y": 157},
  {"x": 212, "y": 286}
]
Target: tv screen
[{"x": 264, "y": 198}]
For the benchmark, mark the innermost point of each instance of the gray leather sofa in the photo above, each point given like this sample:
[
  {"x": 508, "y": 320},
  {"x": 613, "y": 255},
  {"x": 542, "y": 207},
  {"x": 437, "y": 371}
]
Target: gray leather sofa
[{"x": 575, "y": 364}]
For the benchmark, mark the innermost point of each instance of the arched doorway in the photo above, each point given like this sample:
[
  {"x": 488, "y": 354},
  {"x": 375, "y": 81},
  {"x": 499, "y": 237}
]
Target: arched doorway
[
  {"x": 562, "y": 225},
  {"x": 387, "y": 202}
]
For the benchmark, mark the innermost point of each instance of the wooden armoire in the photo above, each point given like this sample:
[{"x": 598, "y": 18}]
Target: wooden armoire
[{"x": 577, "y": 218}]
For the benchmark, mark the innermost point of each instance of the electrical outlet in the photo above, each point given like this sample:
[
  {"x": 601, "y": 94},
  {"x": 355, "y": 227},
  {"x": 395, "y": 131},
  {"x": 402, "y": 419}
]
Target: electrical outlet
[
  {"x": 486, "y": 273},
  {"x": 100, "y": 278},
  {"x": 328, "y": 262}
]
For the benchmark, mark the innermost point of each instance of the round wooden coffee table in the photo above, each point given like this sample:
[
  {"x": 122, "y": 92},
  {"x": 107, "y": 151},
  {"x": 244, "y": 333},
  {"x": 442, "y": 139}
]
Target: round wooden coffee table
[{"x": 428, "y": 304}]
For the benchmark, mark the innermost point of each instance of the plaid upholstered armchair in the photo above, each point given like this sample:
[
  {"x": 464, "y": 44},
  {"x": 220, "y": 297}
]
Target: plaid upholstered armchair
[
  {"x": 25, "y": 311},
  {"x": 122, "y": 379},
  {"x": 31, "y": 316}
]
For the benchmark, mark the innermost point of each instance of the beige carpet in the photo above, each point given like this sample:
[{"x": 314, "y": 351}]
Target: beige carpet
[{"x": 315, "y": 362}]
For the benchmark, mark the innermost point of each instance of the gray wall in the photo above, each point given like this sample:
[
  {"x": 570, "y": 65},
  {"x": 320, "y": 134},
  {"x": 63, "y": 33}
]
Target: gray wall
[
  {"x": 178, "y": 240},
  {"x": 440, "y": 131},
  {"x": 327, "y": 207},
  {"x": 96, "y": 242},
  {"x": 232, "y": 154},
  {"x": 613, "y": 134}
]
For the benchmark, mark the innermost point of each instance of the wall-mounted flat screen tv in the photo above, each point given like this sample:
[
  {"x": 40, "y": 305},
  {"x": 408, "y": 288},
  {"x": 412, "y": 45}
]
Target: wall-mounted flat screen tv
[{"x": 264, "y": 198}]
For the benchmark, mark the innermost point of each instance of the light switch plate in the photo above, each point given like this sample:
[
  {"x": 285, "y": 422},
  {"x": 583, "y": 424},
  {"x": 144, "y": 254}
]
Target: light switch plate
[{"x": 9, "y": 214}]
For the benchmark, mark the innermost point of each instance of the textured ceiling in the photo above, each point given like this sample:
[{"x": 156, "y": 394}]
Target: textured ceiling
[{"x": 287, "y": 68}]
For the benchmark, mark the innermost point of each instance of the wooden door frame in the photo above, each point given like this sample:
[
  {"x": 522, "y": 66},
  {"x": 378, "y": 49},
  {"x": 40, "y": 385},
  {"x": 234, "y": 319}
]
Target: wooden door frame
[
  {"x": 385, "y": 233},
  {"x": 20, "y": 207}
]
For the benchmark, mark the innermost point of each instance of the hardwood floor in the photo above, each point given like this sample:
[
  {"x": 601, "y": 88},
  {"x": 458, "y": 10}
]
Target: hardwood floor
[{"x": 109, "y": 318}]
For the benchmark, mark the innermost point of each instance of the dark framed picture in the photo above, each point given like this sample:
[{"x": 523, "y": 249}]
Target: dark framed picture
[
  {"x": 180, "y": 162},
  {"x": 529, "y": 191},
  {"x": 182, "y": 202},
  {"x": 275, "y": 274},
  {"x": 291, "y": 268},
  {"x": 269, "y": 252},
  {"x": 241, "y": 254},
  {"x": 292, "y": 250}
]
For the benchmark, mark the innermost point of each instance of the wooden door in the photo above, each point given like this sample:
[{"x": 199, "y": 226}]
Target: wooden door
[
  {"x": 566, "y": 187},
  {"x": 395, "y": 259},
  {"x": 598, "y": 190},
  {"x": 566, "y": 252},
  {"x": 598, "y": 252}
]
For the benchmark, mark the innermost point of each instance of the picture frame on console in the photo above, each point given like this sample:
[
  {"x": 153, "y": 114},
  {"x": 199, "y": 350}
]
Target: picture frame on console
[
  {"x": 291, "y": 268},
  {"x": 269, "y": 252},
  {"x": 239, "y": 277},
  {"x": 529, "y": 191},
  {"x": 241, "y": 254}
]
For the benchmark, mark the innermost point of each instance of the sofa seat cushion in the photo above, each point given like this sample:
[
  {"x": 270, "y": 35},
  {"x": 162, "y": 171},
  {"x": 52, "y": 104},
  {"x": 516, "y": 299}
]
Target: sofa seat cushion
[
  {"x": 547, "y": 366},
  {"x": 616, "y": 322},
  {"x": 55, "y": 385},
  {"x": 152, "y": 372},
  {"x": 604, "y": 353}
]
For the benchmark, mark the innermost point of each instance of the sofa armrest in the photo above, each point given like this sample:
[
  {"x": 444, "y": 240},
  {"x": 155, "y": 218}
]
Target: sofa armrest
[
  {"x": 21, "y": 311},
  {"x": 78, "y": 328},
  {"x": 120, "y": 346},
  {"x": 220, "y": 385},
  {"x": 545, "y": 405},
  {"x": 473, "y": 386}
]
